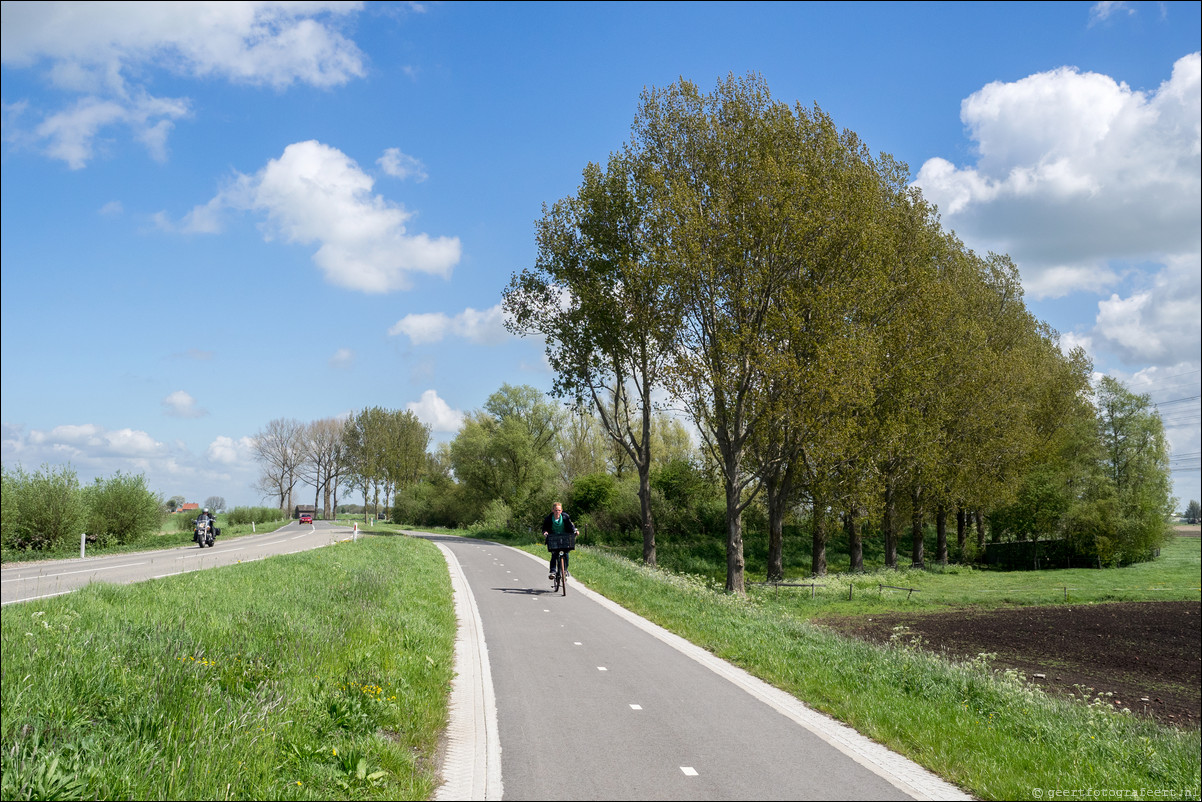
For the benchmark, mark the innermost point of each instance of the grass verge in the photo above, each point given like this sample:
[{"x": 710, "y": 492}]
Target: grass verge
[{"x": 321, "y": 675}]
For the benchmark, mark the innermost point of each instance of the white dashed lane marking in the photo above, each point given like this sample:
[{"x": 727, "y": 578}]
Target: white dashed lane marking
[
  {"x": 636, "y": 707},
  {"x": 689, "y": 771}
]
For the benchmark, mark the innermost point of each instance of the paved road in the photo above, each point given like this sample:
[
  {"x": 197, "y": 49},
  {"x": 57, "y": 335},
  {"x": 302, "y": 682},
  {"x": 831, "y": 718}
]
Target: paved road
[
  {"x": 27, "y": 581},
  {"x": 592, "y": 702}
]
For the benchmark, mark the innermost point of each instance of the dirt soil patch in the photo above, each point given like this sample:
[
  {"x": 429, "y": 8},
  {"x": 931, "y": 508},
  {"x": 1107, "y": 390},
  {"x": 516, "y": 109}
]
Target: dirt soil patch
[{"x": 1134, "y": 650}]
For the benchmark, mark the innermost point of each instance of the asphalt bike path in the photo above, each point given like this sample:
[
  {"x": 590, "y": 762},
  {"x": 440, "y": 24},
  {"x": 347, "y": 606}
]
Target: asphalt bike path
[
  {"x": 29, "y": 581},
  {"x": 589, "y": 701}
]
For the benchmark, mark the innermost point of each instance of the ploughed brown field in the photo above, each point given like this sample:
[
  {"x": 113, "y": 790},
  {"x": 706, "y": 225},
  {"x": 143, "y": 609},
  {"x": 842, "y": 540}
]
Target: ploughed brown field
[{"x": 1135, "y": 650}]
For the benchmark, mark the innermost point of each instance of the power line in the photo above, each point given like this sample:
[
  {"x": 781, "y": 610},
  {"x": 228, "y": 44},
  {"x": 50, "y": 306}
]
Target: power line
[
  {"x": 1166, "y": 379},
  {"x": 1175, "y": 401}
]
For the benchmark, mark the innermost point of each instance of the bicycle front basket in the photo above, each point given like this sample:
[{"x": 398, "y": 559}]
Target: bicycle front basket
[{"x": 564, "y": 542}]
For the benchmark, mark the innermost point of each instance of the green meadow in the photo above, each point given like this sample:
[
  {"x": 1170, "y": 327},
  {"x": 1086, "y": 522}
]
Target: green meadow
[{"x": 321, "y": 675}]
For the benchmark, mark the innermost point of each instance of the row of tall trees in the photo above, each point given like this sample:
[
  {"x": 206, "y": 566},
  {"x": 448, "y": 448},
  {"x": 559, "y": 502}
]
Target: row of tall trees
[
  {"x": 375, "y": 451},
  {"x": 760, "y": 269},
  {"x": 521, "y": 451}
]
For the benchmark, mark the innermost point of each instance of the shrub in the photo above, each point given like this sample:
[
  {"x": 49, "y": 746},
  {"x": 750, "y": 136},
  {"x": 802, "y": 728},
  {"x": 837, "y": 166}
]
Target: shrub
[
  {"x": 122, "y": 509},
  {"x": 497, "y": 517},
  {"x": 247, "y": 515},
  {"x": 44, "y": 510},
  {"x": 592, "y": 492},
  {"x": 439, "y": 502}
]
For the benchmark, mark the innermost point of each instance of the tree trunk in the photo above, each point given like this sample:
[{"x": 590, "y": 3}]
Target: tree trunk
[
  {"x": 734, "y": 539},
  {"x": 917, "y": 556},
  {"x": 941, "y": 534},
  {"x": 645, "y": 508},
  {"x": 776, "y": 524},
  {"x": 855, "y": 543},
  {"x": 889, "y": 524},
  {"x": 961, "y": 530},
  {"x": 818, "y": 560},
  {"x": 980, "y": 533}
]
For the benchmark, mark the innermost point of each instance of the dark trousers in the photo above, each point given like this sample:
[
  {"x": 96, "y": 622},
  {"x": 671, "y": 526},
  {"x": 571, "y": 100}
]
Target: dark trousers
[{"x": 555, "y": 559}]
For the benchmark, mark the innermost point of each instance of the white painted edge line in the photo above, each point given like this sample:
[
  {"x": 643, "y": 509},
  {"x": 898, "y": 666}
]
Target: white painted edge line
[
  {"x": 81, "y": 571},
  {"x": 901, "y": 772},
  {"x": 35, "y": 598},
  {"x": 472, "y": 767}
]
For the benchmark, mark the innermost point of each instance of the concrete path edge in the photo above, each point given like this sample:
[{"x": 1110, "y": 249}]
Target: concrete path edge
[{"x": 471, "y": 768}]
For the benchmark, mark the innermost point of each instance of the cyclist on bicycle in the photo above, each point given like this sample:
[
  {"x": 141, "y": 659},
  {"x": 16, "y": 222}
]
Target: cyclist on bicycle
[{"x": 557, "y": 523}]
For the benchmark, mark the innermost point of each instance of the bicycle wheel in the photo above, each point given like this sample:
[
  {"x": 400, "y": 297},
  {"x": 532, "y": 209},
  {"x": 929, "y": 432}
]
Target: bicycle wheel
[{"x": 563, "y": 576}]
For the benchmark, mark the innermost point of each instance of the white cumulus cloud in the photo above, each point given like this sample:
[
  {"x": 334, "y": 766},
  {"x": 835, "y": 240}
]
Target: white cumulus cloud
[
  {"x": 1076, "y": 171},
  {"x": 343, "y": 358},
  {"x": 228, "y": 451},
  {"x": 437, "y": 413},
  {"x": 181, "y": 405},
  {"x": 92, "y": 451},
  {"x": 1100, "y": 12},
  {"x": 316, "y": 194},
  {"x": 479, "y": 326},
  {"x": 99, "y": 52},
  {"x": 401, "y": 165},
  {"x": 83, "y": 442},
  {"x": 1159, "y": 324}
]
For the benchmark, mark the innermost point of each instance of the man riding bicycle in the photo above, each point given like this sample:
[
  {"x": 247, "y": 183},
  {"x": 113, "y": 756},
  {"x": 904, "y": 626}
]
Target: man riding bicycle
[{"x": 557, "y": 523}]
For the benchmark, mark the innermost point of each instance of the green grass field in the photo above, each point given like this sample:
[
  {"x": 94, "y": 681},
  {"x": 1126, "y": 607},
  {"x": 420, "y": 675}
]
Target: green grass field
[
  {"x": 321, "y": 675},
  {"x": 1175, "y": 575}
]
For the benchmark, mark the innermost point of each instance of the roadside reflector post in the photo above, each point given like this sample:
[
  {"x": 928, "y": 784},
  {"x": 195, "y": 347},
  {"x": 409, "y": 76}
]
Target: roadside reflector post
[
  {"x": 252, "y": 527},
  {"x": 83, "y": 539}
]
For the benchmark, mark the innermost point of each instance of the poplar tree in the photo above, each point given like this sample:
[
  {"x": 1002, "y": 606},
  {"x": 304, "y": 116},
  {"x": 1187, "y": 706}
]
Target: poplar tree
[{"x": 607, "y": 309}]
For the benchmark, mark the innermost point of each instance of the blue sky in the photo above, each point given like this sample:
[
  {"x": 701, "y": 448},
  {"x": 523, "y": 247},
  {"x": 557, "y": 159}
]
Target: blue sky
[{"x": 214, "y": 216}]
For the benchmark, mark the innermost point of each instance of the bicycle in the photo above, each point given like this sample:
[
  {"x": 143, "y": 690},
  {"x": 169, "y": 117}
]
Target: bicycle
[
  {"x": 560, "y": 583},
  {"x": 559, "y": 546}
]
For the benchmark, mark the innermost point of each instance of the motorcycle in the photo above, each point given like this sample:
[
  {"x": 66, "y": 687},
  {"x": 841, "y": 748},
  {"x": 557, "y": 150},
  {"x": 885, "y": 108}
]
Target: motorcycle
[{"x": 202, "y": 533}]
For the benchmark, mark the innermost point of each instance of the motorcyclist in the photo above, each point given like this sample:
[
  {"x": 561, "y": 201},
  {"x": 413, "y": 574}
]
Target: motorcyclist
[{"x": 210, "y": 519}]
